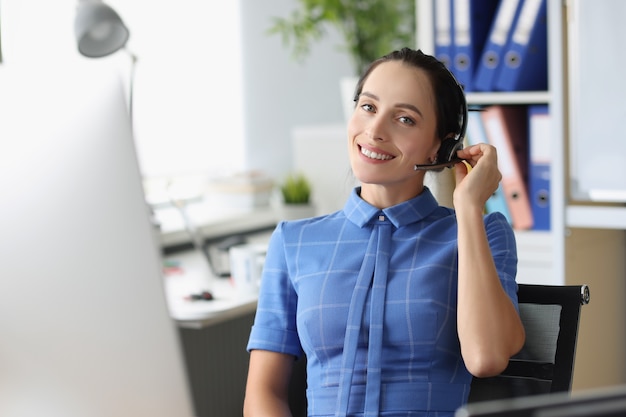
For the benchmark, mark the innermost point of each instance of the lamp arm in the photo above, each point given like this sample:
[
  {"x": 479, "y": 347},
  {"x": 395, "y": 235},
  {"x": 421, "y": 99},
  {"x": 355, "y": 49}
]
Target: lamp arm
[{"x": 131, "y": 84}]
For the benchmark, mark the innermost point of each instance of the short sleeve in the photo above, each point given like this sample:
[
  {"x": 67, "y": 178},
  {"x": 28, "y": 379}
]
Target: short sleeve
[
  {"x": 274, "y": 326},
  {"x": 504, "y": 250}
]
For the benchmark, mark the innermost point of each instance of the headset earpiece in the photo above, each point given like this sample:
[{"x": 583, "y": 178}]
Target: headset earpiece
[
  {"x": 454, "y": 142},
  {"x": 448, "y": 148}
]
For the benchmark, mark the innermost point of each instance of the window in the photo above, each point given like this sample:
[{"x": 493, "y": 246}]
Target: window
[{"x": 188, "y": 79}]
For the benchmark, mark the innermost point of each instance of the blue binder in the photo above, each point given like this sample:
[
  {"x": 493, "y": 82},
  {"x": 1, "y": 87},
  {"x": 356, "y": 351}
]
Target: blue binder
[
  {"x": 492, "y": 54},
  {"x": 472, "y": 21},
  {"x": 443, "y": 31},
  {"x": 475, "y": 135},
  {"x": 539, "y": 165},
  {"x": 525, "y": 65}
]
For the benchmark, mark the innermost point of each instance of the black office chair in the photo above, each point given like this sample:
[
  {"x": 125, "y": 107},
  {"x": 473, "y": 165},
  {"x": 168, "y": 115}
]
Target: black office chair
[{"x": 545, "y": 364}]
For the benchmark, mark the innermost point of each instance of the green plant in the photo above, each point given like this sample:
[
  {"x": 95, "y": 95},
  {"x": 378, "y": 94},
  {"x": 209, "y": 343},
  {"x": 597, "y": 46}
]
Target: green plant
[
  {"x": 371, "y": 28},
  {"x": 296, "y": 189}
]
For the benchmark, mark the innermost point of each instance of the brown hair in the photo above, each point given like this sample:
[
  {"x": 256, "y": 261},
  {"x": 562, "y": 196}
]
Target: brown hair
[{"x": 449, "y": 96}]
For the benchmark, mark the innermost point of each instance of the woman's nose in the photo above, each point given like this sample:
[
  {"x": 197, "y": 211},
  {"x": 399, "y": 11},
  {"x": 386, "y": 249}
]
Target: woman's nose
[{"x": 377, "y": 129}]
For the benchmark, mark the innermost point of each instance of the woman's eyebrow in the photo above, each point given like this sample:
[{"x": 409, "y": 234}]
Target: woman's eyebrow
[
  {"x": 401, "y": 105},
  {"x": 410, "y": 107},
  {"x": 370, "y": 95}
]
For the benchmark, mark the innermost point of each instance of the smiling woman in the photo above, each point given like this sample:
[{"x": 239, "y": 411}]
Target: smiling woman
[{"x": 381, "y": 296}]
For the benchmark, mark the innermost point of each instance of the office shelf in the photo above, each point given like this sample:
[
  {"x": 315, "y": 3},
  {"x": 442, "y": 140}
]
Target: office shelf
[{"x": 587, "y": 242}]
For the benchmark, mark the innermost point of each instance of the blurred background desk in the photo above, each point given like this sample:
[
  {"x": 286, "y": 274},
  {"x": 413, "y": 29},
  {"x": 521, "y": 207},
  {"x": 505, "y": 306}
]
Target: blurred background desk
[
  {"x": 214, "y": 333},
  {"x": 187, "y": 273}
]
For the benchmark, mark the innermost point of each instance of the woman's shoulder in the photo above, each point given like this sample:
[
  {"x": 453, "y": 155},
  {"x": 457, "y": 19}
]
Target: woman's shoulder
[
  {"x": 497, "y": 219},
  {"x": 499, "y": 229},
  {"x": 319, "y": 221}
]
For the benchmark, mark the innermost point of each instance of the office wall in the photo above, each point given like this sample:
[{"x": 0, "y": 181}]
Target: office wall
[
  {"x": 596, "y": 257},
  {"x": 281, "y": 94}
]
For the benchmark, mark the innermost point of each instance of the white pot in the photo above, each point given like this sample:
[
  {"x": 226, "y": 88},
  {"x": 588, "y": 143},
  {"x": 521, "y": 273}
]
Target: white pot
[
  {"x": 295, "y": 211},
  {"x": 348, "y": 85}
]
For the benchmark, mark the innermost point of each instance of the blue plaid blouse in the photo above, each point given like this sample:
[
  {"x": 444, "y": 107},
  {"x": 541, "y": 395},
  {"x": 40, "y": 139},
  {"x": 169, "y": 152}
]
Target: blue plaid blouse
[{"x": 370, "y": 297}]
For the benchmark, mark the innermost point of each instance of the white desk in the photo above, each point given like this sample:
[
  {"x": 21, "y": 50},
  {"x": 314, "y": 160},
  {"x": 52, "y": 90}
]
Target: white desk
[
  {"x": 213, "y": 334},
  {"x": 192, "y": 276}
]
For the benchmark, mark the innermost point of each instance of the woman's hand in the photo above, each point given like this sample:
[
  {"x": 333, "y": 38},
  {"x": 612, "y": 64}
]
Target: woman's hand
[{"x": 475, "y": 185}]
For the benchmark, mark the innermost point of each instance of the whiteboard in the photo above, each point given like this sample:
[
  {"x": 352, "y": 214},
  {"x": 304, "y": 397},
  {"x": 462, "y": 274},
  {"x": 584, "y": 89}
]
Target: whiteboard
[{"x": 597, "y": 96}]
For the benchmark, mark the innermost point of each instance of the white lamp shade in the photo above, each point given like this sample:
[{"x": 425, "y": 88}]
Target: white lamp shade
[{"x": 99, "y": 29}]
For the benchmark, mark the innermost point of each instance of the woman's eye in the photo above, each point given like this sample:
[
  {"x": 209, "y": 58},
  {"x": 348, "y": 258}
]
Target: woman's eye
[
  {"x": 407, "y": 120},
  {"x": 367, "y": 107}
]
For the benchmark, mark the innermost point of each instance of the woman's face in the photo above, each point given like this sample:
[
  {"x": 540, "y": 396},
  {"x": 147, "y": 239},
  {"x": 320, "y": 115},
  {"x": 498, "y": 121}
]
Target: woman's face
[{"x": 393, "y": 127}]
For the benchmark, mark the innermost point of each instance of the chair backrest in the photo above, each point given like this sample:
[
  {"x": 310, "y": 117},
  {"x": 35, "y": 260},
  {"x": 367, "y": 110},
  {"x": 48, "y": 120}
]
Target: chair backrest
[{"x": 545, "y": 364}]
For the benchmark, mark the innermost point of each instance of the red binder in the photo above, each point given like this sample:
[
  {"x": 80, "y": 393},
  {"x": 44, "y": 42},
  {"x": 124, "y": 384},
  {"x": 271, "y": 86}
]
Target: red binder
[{"x": 507, "y": 130}]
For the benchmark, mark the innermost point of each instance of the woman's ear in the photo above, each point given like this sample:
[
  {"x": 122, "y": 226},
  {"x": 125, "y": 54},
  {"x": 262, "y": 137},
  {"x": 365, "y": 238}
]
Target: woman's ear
[{"x": 434, "y": 157}]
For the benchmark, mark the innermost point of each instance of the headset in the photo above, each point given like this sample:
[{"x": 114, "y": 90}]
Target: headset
[{"x": 446, "y": 156}]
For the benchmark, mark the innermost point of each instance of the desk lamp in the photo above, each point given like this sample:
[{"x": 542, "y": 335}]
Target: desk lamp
[
  {"x": 100, "y": 32},
  {"x": 99, "y": 29}
]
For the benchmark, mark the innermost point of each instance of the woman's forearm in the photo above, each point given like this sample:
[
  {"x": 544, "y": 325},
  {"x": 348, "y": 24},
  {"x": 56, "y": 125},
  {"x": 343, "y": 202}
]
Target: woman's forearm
[{"x": 267, "y": 387}]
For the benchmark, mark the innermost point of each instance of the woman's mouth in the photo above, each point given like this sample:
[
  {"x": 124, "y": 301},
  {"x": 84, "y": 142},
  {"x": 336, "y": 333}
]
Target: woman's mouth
[{"x": 375, "y": 155}]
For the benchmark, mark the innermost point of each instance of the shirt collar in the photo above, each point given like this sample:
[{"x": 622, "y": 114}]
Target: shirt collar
[{"x": 360, "y": 212}]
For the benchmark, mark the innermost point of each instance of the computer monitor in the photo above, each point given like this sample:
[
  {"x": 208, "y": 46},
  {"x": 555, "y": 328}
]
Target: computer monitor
[
  {"x": 84, "y": 325},
  {"x": 600, "y": 402}
]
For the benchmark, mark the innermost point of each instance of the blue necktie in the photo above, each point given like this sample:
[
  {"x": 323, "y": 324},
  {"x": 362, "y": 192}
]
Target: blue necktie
[{"x": 373, "y": 274}]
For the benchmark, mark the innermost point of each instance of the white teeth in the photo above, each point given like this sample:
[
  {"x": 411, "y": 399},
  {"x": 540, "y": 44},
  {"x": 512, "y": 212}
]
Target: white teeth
[{"x": 375, "y": 155}]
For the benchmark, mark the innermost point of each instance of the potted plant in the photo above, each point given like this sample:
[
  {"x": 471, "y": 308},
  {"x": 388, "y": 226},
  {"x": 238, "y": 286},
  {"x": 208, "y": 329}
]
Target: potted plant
[
  {"x": 296, "y": 189},
  {"x": 371, "y": 28},
  {"x": 296, "y": 197}
]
